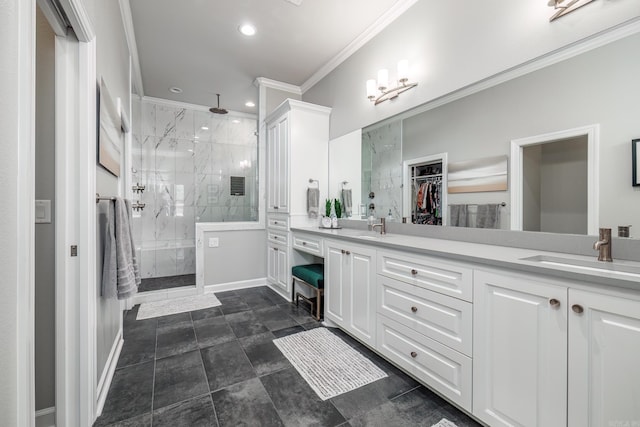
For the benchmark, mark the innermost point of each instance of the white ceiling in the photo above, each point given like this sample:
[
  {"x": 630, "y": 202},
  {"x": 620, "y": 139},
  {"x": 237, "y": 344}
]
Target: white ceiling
[{"x": 196, "y": 45}]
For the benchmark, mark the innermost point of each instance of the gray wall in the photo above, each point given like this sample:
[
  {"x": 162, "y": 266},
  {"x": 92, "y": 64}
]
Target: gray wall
[
  {"x": 45, "y": 269},
  {"x": 276, "y": 97},
  {"x": 563, "y": 182},
  {"x": 241, "y": 256},
  {"x": 112, "y": 62},
  {"x": 595, "y": 88},
  {"x": 531, "y": 188},
  {"x": 450, "y": 45}
]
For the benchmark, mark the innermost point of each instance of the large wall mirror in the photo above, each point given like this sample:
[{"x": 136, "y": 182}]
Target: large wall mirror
[{"x": 558, "y": 192}]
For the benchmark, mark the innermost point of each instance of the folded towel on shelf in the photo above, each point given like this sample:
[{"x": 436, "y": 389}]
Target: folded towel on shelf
[
  {"x": 488, "y": 216},
  {"x": 347, "y": 203},
  {"x": 120, "y": 273},
  {"x": 458, "y": 215},
  {"x": 313, "y": 202}
]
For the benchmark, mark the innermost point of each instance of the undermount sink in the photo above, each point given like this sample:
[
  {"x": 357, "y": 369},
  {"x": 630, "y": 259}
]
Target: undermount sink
[
  {"x": 619, "y": 268},
  {"x": 369, "y": 236}
]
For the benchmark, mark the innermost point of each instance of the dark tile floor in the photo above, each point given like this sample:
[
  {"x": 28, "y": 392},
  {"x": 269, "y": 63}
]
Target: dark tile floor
[
  {"x": 161, "y": 283},
  {"x": 219, "y": 367}
]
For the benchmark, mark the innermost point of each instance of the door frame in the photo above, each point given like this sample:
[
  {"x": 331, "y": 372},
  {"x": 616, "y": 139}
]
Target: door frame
[{"x": 592, "y": 132}]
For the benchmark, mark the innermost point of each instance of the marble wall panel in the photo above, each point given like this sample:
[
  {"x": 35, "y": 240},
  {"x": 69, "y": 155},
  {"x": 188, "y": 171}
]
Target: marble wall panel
[
  {"x": 148, "y": 119},
  {"x": 166, "y": 260},
  {"x": 184, "y": 123}
]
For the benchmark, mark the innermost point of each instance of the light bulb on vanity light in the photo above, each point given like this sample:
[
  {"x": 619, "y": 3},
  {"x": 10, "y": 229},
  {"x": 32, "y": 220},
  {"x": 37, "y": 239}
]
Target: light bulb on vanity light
[
  {"x": 403, "y": 71},
  {"x": 383, "y": 79},
  {"x": 371, "y": 89}
]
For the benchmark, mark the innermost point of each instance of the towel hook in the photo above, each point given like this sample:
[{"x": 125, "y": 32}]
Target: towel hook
[
  {"x": 311, "y": 181},
  {"x": 343, "y": 183}
]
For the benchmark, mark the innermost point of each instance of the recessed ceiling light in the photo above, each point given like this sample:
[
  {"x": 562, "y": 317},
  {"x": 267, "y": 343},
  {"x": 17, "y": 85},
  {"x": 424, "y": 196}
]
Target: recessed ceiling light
[
  {"x": 249, "y": 104},
  {"x": 175, "y": 89},
  {"x": 196, "y": 137},
  {"x": 247, "y": 29},
  {"x": 204, "y": 128}
]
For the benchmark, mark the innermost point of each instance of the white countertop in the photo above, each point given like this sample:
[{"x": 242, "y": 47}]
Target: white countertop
[{"x": 619, "y": 273}]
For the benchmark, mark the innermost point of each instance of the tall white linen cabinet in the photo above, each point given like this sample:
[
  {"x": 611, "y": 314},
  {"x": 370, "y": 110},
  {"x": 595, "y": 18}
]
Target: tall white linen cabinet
[{"x": 297, "y": 152}]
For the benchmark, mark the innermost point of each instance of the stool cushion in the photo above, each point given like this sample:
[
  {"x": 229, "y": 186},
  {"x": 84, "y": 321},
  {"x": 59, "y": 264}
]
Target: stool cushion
[{"x": 313, "y": 274}]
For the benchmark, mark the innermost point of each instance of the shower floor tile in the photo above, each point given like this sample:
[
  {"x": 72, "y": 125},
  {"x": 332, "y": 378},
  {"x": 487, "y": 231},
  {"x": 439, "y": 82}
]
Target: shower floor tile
[{"x": 169, "y": 282}]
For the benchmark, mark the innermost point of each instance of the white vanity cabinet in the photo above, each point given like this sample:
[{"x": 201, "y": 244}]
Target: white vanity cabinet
[
  {"x": 604, "y": 360},
  {"x": 546, "y": 354},
  {"x": 350, "y": 288},
  {"x": 297, "y": 151},
  {"x": 520, "y": 351},
  {"x": 424, "y": 320}
]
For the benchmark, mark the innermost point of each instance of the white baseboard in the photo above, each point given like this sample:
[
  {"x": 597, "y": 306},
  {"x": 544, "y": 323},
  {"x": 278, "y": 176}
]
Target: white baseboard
[
  {"x": 232, "y": 286},
  {"x": 107, "y": 373},
  {"x": 46, "y": 417}
]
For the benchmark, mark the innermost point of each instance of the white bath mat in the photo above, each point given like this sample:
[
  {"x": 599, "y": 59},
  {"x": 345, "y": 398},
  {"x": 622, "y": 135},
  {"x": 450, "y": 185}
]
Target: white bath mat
[
  {"x": 328, "y": 364},
  {"x": 149, "y": 310},
  {"x": 444, "y": 423}
]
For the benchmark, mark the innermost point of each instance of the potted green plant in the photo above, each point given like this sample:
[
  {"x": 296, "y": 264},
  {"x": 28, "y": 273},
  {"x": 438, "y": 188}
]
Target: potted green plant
[
  {"x": 327, "y": 208},
  {"x": 337, "y": 206}
]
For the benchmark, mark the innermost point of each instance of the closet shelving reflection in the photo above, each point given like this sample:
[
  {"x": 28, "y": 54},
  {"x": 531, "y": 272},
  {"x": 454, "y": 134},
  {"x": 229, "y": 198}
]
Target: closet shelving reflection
[{"x": 426, "y": 193}]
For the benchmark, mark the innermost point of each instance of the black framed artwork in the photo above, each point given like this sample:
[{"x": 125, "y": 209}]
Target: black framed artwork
[{"x": 635, "y": 162}]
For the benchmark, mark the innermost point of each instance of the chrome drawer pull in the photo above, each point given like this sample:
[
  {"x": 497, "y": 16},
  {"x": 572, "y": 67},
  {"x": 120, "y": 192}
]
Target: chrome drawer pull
[
  {"x": 414, "y": 354},
  {"x": 343, "y": 251},
  {"x": 577, "y": 308},
  {"x": 554, "y": 303},
  {"x": 414, "y": 272},
  {"x": 414, "y": 309},
  {"x": 348, "y": 253},
  {"x": 304, "y": 243}
]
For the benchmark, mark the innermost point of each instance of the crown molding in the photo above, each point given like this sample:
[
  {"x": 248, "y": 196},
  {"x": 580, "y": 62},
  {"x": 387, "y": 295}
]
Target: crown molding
[
  {"x": 195, "y": 107},
  {"x": 130, "y": 35},
  {"x": 274, "y": 84},
  {"x": 380, "y": 24}
]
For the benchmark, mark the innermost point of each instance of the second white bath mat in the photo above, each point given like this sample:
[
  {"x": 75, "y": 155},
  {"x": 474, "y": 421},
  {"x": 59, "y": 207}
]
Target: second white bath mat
[{"x": 149, "y": 310}]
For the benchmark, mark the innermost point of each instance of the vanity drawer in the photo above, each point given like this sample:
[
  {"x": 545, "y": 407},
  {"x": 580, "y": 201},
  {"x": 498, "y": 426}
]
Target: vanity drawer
[
  {"x": 445, "y": 319},
  {"x": 441, "y": 368},
  {"x": 428, "y": 273},
  {"x": 278, "y": 222},
  {"x": 277, "y": 237},
  {"x": 308, "y": 243}
]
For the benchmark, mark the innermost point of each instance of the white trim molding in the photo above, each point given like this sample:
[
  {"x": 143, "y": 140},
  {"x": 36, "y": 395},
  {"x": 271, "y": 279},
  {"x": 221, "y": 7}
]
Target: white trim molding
[
  {"x": 107, "y": 374},
  {"x": 380, "y": 24},
  {"x": 46, "y": 417},
  {"x": 232, "y": 286},
  {"x": 196, "y": 107},
  {"x": 274, "y": 84},
  {"x": 592, "y": 132},
  {"x": 79, "y": 19},
  {"x": 130, "y": 35}
]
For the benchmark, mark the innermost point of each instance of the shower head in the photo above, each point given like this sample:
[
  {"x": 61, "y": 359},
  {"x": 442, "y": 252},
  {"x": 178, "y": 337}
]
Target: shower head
[{"x": 218, "y": 110}]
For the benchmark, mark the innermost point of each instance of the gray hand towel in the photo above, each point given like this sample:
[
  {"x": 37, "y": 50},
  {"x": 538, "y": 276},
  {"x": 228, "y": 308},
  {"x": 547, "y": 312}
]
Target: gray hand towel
[
  {"x": 488, "y": 216},
  {"x": 120, "y": 273},
  {"x": 313, "y": 202},
  {"x": 347, "y": 203},
  {"x": 458, "y": 215}
]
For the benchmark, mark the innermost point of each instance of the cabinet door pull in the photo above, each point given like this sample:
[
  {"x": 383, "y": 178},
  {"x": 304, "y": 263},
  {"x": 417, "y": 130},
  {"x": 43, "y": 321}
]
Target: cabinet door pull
[
  {"x": 414, "y": 272},
  {"x": 414, "y": 309},
  {"x": 304, "y": 243},
  {"x": 577, "y": 308},
  {"x": 348, "y": 253},
  {"x": 275, "y": 207},
  {"x": 343, "y": 251},
  {"x": 554, "y": 303},
  {"x": 275, "y": 222},
  {"x": 414, "y": 354},
  {"x": 275, "y": 249},
  {"x": 275, "y": 237}
]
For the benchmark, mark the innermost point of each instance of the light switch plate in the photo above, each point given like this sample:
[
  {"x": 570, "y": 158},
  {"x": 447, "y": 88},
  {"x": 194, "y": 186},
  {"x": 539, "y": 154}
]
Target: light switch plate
[
  {"x": 214, "y": 242},
  {"x": 43, "y": 211}
]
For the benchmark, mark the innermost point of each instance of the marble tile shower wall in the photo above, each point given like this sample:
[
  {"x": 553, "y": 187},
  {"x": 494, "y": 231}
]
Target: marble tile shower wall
[
  {"x": 185, "y": 159},
  {"x": 382, "y": 169}
]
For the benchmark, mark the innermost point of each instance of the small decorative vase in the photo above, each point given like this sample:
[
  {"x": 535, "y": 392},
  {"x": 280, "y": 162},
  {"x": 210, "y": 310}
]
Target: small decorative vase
[
  {"x": 334, "y": 222},
  {"x": 326, "y": 222}
]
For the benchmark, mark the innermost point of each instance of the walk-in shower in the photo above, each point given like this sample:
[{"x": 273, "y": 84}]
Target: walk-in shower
[{"x": 195, "y": 166}]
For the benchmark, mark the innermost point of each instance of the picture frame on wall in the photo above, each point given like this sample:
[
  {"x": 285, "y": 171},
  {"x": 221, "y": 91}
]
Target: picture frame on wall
[
  {"x": 110, "y": 131},
  {"x": 635, "y": 162}
]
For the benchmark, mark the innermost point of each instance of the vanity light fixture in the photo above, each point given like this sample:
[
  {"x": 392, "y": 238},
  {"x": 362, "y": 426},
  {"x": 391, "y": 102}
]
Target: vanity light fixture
[
  {"x": 563, "y": 7},
  {"x": 379, "y": 91}
]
